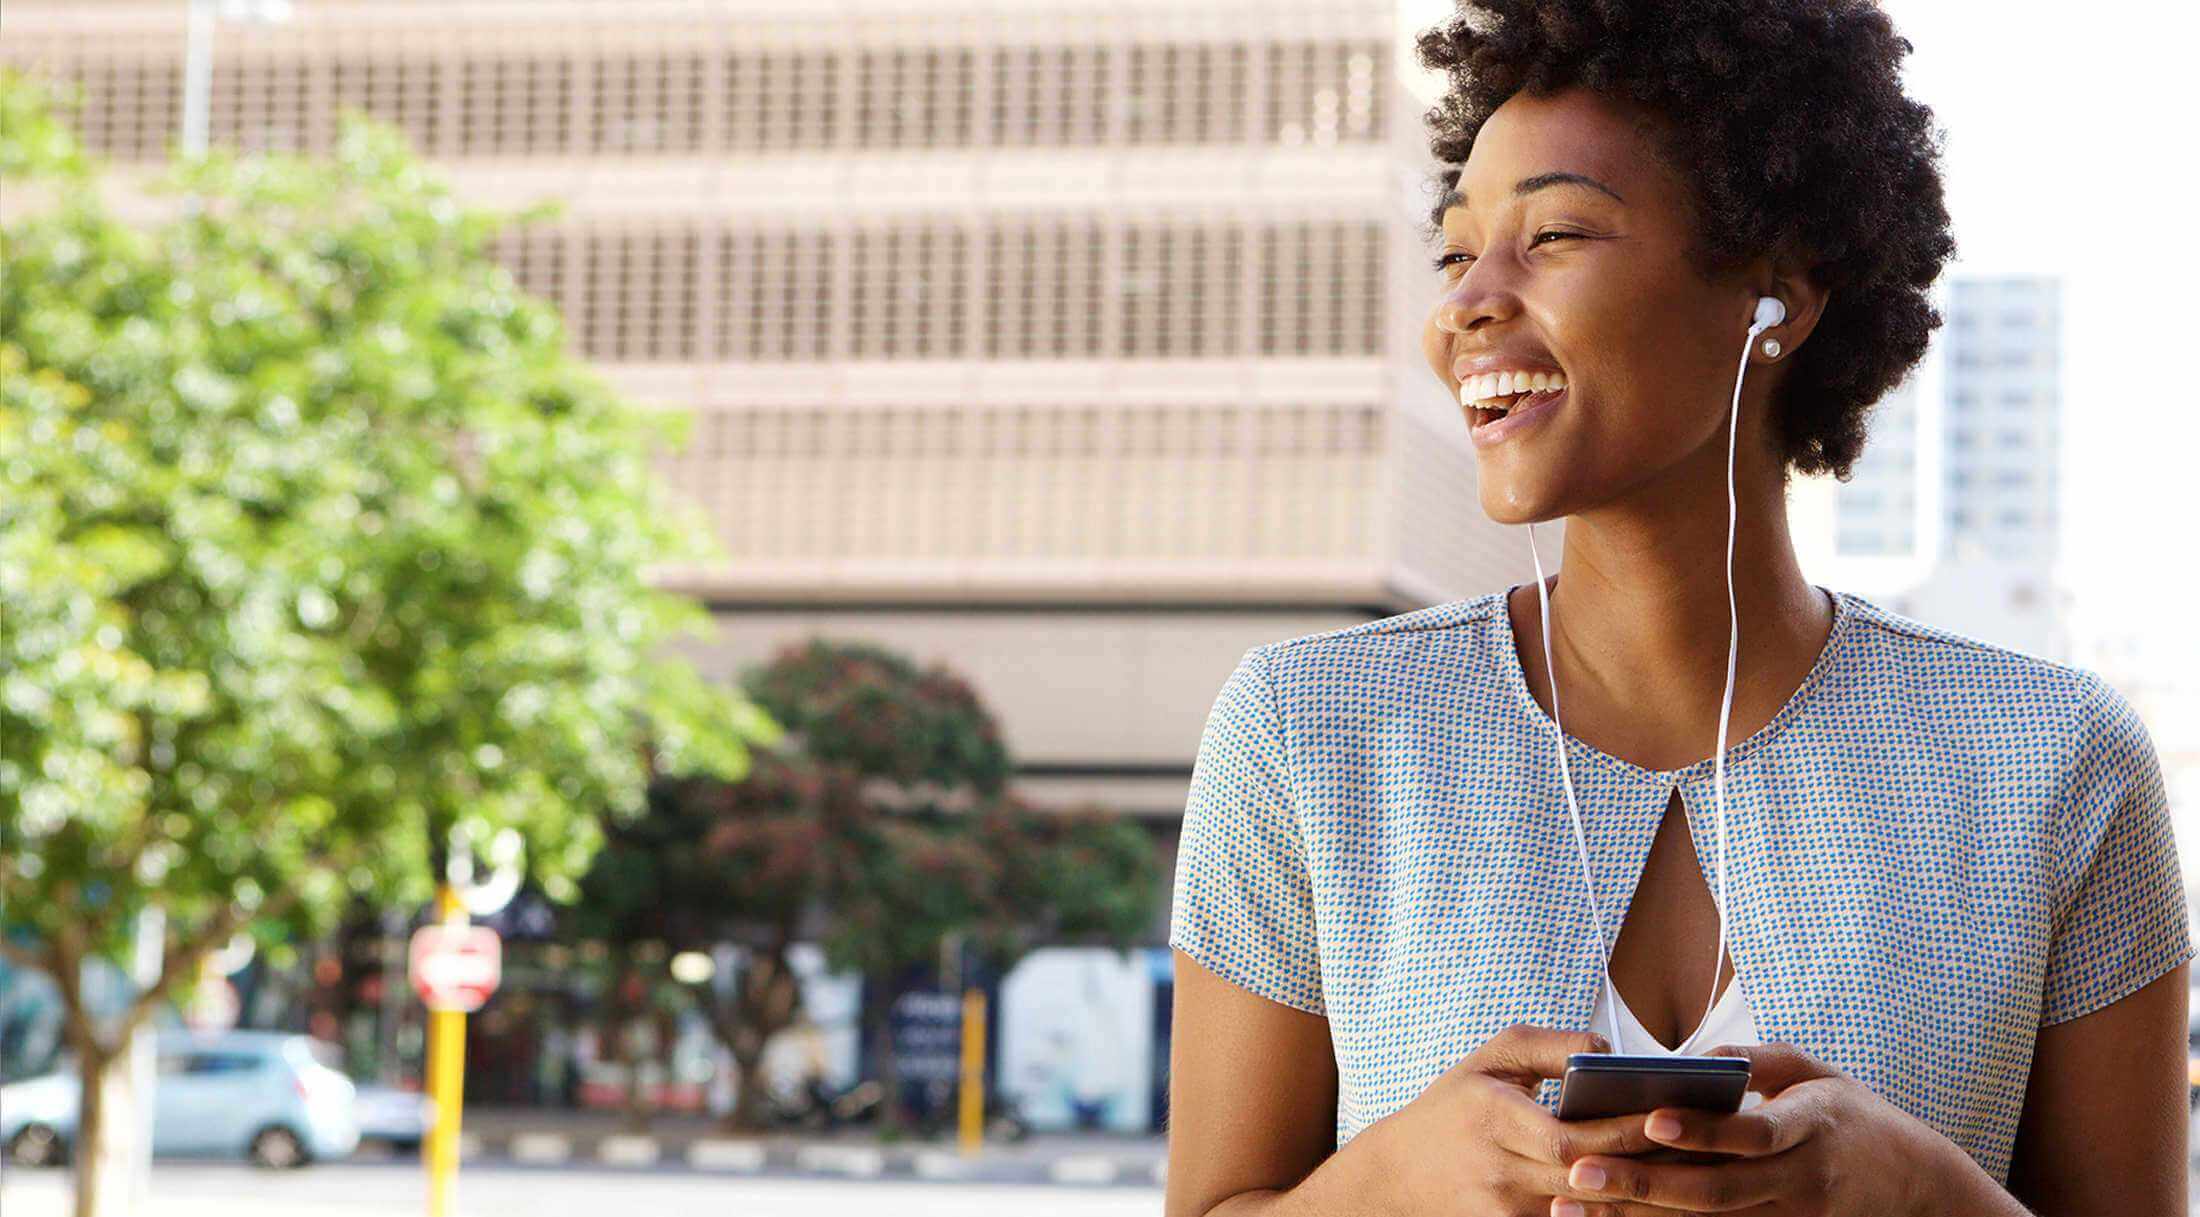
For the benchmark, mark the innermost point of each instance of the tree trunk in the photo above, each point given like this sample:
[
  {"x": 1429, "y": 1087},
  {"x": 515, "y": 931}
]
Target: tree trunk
[
  {"x": 637, "y": 1088},
  {"x": 748, "y": 1092},
  {"x": 768, "y": 1000},
  {"x": 879, "y": 1016},
  {"x": 107, "y": 1130}
]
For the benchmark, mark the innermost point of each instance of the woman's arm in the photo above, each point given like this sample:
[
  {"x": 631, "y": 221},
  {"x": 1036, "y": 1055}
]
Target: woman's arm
[
  {"x": 1252, "y": 1096},
  {"x": 2104, "y": 1129}
]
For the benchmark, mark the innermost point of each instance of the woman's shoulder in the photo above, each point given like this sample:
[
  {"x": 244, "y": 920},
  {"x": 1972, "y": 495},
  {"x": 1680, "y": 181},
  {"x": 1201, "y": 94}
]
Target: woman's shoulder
[
  {"x": 1997, "y": 695},
  {"x": 1458, "y": 640}
]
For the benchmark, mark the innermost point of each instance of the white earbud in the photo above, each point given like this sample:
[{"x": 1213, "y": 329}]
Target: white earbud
[{"x": 1770, "y": 312}]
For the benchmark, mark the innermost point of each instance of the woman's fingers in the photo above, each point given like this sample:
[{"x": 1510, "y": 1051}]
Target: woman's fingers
[
  {"x": 1605, "y": 1208},
  {"x": 1525, "y": 1054},
  {"x": 1771, "y": 1127},
  {"x": 1542, "y": 1138}
]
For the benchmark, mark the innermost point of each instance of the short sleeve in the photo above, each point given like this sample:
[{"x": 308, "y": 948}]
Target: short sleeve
[
  {"x": 2121, "y": 922},
  {"x": 1244, "y": 904}
]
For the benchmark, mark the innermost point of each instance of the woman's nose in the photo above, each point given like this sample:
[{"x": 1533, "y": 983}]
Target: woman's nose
[{"x": 1483, "y": 289}]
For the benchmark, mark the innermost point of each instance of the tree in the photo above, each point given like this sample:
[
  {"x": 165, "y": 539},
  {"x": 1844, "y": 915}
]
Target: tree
[
  {"x": 315, "y": 545},
  {"x": 881, "y": 824},
  {"x": 1080, "y": 875},
  {"x": 710, "y": 862}
]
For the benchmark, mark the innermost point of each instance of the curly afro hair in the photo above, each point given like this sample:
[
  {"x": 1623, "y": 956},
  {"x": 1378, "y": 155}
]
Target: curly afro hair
[{"x": 1787, "y": 118}]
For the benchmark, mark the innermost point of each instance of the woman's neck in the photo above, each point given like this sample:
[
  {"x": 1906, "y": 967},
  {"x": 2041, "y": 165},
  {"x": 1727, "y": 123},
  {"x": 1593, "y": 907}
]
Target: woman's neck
[{"x": 1639, "y": 619}]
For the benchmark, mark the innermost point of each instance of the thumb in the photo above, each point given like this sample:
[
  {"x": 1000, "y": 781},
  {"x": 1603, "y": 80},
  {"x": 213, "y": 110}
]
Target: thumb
[
  {"x": 1526, "y": 1054},
  {"x": 1775, "y": 1067}
]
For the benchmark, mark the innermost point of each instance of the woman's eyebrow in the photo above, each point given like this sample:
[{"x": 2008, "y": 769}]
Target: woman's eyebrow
[{"x": 1527, "y": 185}]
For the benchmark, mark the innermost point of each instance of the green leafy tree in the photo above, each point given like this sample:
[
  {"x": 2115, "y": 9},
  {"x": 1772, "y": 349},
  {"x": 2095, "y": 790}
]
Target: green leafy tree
[{"x": 315, "y": 545}]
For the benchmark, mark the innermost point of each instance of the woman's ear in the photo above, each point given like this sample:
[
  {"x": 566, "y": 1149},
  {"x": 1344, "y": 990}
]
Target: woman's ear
[{"x": 1805, "y": 300}]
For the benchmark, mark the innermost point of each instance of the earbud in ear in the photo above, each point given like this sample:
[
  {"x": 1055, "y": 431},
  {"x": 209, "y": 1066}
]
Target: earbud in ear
[{"x": 1770, "y": 312}]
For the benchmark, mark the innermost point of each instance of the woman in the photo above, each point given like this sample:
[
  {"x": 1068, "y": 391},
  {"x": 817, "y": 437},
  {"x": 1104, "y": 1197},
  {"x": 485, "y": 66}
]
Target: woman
[{"x": 1958, "y": 937}]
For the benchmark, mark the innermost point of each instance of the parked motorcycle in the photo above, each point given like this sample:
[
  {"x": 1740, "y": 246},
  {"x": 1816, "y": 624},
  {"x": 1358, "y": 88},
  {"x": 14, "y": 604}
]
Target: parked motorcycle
[{"x": 818, "y": 1107}]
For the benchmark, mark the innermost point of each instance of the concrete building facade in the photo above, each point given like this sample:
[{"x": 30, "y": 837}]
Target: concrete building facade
[{"x": 1074, "y": 345}]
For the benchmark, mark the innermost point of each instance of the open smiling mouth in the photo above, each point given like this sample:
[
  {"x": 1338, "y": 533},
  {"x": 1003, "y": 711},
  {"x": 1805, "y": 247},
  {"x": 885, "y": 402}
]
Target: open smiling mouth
[{"x": 1509, "y": 397}]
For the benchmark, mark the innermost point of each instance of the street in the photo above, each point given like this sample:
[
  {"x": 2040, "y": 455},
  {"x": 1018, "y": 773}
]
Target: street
[{"x": 395, "y": 1190}]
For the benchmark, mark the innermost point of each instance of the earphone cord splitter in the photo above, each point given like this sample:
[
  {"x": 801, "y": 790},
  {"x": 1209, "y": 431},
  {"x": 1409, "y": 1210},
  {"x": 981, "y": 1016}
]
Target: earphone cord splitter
[{"x": 1726, "y": 708}]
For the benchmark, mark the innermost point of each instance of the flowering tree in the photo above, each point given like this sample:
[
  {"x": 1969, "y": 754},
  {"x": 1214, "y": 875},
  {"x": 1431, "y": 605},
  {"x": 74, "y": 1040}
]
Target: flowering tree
[{"x": 883, "y": 826}]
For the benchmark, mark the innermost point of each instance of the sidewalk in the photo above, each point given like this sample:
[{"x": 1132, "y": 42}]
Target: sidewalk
[{"x": 553, "y": 1138}]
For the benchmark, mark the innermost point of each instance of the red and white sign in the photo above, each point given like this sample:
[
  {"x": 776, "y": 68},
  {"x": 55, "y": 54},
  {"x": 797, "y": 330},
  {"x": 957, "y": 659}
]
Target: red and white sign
[{"x": 456, "y": 967}]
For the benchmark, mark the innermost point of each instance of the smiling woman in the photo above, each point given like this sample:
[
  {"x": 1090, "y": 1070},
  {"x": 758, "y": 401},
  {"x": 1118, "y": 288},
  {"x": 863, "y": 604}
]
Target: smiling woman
[{"x": 1945, "y": 870}]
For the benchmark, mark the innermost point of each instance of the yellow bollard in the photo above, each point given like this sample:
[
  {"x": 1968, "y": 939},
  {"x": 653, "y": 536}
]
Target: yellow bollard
[
  {"x": 446, "y": 1079},
  {"x": 973, "y": 1071}
]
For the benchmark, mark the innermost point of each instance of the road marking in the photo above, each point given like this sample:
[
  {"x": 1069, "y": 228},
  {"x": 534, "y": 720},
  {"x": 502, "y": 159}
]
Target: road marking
[
  {"x": 853, "y": 1161},
  {"x": 940, "y": 1164},
  {"x": 627, "y": 1151},
  {"x": 722, "y": 1155},
  {"x": 541, "y": 1148},
  {"x": 1088, "y": 1169}
]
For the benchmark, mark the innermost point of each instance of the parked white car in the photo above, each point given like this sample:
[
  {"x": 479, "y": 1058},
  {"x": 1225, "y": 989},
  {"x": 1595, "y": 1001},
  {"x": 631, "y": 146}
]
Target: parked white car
[
  {"x": 397, "y": 1118},
  {"x": 274, "y": 1097}
]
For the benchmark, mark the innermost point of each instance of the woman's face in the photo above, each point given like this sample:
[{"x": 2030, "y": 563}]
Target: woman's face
[{"x": 1570, "y": 254}]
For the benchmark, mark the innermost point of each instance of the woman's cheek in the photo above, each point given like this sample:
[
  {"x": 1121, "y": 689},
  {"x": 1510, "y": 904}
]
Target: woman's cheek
[{"x": 1433, "y": 348}]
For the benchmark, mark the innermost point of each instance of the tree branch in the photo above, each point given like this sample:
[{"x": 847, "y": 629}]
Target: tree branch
[
  {"x": 68, "y": 979},
  {"x": 31, "y": 960},
  {"x": 185, "y": 956}
]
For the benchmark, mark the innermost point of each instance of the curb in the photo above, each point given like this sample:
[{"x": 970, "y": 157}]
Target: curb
[{"x": 1095, "y": 1168}]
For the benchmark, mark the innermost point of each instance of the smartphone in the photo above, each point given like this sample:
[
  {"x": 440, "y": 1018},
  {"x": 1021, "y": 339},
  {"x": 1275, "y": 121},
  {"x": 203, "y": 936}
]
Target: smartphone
[{"x": 1611, "y": 1084}]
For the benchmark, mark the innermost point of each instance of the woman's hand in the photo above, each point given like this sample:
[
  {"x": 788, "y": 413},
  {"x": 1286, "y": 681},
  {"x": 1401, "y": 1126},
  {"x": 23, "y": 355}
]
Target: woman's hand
[
  {"x": 1477, "y": 1144},
  {"x": 1822, "y": 1144}
]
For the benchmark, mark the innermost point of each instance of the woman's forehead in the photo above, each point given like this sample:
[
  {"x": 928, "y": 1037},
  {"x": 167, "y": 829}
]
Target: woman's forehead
[{"x": 1573, "y": 138}]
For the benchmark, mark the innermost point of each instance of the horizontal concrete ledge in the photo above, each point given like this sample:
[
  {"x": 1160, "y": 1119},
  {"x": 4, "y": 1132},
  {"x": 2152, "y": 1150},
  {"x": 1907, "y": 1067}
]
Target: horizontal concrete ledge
[{"x": 1208, "y": 584}]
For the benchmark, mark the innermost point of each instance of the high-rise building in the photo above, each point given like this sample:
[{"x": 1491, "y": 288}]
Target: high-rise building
[
  {"x": 1876, "y": 512},
  {"x": 1993, "y": 572},
  {"x": 2004, "y": 418}
]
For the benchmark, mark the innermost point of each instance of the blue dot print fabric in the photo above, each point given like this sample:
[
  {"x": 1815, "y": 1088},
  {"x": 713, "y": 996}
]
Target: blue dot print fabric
[{"x": 1937, "y": 848}]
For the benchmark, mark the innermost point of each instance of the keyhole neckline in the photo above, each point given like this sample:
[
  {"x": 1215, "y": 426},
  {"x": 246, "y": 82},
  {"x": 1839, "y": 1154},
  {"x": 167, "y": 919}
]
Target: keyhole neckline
[{"x": 1516, "y": 680}]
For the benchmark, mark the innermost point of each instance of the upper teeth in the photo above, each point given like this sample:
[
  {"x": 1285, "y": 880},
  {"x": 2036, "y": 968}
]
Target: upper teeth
[{"x": 1495, "y": 390}]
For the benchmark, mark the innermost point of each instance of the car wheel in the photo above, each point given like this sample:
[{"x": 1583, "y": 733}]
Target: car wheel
[
  {"x": 36, "y": 1145},
  {"x": 277, "y": 1149}
]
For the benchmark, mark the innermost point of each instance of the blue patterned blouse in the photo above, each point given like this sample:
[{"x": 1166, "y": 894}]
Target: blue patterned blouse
[{"x": 1938, "y": 847}]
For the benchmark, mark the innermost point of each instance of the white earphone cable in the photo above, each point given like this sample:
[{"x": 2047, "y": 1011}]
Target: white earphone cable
[
  {"x": 1726, "y": 709},
  {"x": 1581, "y": 840}
]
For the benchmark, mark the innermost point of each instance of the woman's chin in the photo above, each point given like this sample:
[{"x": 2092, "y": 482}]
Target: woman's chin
[{"x": 1506, "y": 502}]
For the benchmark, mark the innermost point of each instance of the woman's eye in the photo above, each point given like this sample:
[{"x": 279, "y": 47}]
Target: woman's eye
[{"x": 1443, "y": 261}]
